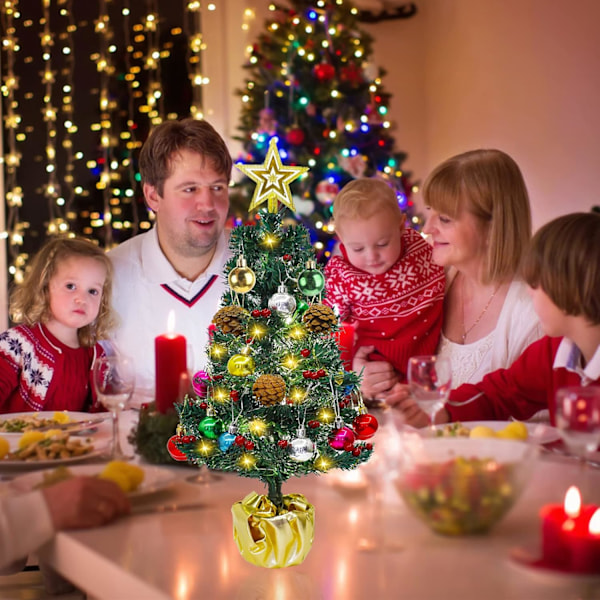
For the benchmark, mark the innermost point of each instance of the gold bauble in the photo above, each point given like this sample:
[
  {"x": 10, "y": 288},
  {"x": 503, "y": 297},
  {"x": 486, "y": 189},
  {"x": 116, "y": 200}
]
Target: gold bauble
[
  {"x": 241, "y": 278},
  {"x": 241, "y": 365}
]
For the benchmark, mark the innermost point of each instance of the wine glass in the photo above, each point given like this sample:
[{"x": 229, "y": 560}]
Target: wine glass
[
  {"x": 429, "y": 379},
  {"x": 114, "y": 380},
  {"x": 577, "y": 415}
]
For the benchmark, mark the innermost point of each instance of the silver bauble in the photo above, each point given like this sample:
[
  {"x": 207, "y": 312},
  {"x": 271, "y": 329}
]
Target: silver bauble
[
  {"x": 301, "y": 449},
  {"x": 282, "y": 302}
]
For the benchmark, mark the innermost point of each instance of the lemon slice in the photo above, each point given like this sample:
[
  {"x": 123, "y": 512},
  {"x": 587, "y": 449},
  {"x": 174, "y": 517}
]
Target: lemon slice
[
  {"x": 515, "y": 431},
  {"x": 31, "y": 437},
  {"x": 482, "y": 431},
  {"x": 61, "y": 417},
  {"x": 4, "y": 447}
]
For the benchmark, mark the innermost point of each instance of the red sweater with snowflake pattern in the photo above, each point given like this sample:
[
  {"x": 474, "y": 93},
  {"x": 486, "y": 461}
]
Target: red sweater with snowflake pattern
[
  {"x": 400, "y": 311},
  {"x": 39, "y": 372}
]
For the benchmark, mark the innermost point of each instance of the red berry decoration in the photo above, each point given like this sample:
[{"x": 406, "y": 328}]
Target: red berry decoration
[
  {"x": 203, "y": 405},
  {"x": 306, "y": 374},
  {"x": 305, "y": 353},
  {"x": 218, "y": 377},
  {"x": 321, "y": 373},
  {"x": 234, "y": 395},
  {"x": 174, "y": 452},
  {"x": 356, "y": 452},
  {"x": 365, "y": 426},
  {"x": 314, "y": 424},
  {"x": 287, "y": 257},
  {"x": 239, "y": 440},
  {"x": 249, "y": 445},
  {"x": 256, "y": 313},
  {"x": 265, "y": 312},
  {"x": 145, "y": 406},
  {"x": 369, "y": 446},
  {"x": 348, "y": 447},
  {"x": 282, "y": 443}
]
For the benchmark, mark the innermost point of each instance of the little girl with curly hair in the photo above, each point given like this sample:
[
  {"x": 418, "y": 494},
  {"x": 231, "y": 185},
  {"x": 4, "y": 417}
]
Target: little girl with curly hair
[{"x": 63, "y": 307}]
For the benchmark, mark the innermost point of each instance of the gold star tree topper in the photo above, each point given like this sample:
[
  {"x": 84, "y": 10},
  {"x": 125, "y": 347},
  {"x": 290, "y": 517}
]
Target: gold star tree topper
[{"x": 273, "y": 180}]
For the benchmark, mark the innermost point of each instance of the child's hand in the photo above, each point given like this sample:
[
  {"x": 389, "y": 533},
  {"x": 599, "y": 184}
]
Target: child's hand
[{"x": 379, "y": 377}]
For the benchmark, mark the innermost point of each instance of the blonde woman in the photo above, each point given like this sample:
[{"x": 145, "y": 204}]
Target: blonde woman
[{"x": 479, "y": 222}]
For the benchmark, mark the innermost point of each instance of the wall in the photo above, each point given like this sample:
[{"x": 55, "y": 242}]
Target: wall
[{"x": 519, "y": 75}]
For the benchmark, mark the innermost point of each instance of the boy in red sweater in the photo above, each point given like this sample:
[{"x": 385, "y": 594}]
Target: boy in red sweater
[
  {"x": 385, "y": 280},
  {"x": 562, "y": 267}
]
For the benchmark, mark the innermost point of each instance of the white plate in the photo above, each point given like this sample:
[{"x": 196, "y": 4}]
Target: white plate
[
  {"x": 29, "y": 465},
  {"x": 79, "y": 421},
  {"x": 155, "y": 478},
  {"x": 539, "y": 433}
]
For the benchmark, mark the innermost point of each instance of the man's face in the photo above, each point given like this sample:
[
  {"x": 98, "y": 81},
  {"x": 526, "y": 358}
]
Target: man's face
[{"x": 192, "y": 210}]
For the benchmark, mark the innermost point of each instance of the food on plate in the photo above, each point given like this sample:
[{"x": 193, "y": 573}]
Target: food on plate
[
  {"x": 31, "y": 437},
  {"x": 456, "y": 429},
  {"x": 58, "y": 446},
  {"x": 32, "y": 422},
  {"x": 461, "y": 495},
  {"x": 4, "y": 447},
  {"x": 482, "y": 431},
  {"x": 127, "y": 476},
  {"x": 515, "y": 430}
]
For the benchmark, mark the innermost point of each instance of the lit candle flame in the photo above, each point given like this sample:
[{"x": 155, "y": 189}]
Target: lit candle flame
[
  {"x": 171, "y": 322},
  {"x": 573, "y": 502},
  {"x": 594, "y": 526}
]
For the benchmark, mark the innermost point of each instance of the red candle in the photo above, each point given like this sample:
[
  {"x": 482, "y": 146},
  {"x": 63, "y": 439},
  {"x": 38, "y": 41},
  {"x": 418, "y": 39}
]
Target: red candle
[
  {"x": 345, "y": 343},
  {"x": 558, "y": 523},
  {"x": 584, "y": 544},
  {"x": 170, "y": 363}
]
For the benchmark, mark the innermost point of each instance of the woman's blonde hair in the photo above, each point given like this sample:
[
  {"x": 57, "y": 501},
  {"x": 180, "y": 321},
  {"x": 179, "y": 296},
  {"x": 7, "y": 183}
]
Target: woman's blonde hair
[
  {"x": 362, "y": 198},
  {"x": 489, "y": 185},
  {"x": 564, "y": 260},
  {"x": 30, "y": 302}
]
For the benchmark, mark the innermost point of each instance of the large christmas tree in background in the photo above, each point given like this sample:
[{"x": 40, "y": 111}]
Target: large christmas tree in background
[
  {"x": 312, "y": 84},
  {"x": 275, "y": 401}
]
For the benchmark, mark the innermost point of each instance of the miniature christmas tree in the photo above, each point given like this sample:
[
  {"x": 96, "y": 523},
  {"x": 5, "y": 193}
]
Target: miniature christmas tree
[
  {"x": 275, "y": 401},
  {"x": 312, "y": 83}
]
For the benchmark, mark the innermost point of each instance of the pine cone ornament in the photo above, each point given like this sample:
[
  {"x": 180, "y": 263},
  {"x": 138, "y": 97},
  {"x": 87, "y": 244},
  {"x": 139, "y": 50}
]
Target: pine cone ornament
[
  {"x": 319, "y": 318},
  {"x": 269, "y": 389},
  {"x": 231, "y": 319}
]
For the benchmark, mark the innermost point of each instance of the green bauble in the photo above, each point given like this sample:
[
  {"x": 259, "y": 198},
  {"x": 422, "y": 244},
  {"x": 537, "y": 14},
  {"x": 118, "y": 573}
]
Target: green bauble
[
  {"x": 210, "y": 427},
  {"x": 311, "y": 282}
]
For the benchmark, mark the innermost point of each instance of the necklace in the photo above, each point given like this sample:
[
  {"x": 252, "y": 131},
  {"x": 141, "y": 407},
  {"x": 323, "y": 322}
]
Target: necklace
[{"x": 467, "y": 331}]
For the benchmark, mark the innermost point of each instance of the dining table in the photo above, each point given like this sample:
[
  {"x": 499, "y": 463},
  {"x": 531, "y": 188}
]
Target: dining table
[{"x": 178, "y": 541}]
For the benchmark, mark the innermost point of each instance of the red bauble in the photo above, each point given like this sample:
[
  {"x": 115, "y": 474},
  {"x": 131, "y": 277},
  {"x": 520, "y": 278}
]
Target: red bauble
[
  {"x": 324, "y": 71},
  {"x": 174, "y": 451},
  {"x": 305, "y": 352},
  {"x": 365, "y": 426},
  {"x": 295, "y": 136},
  {"x": 352, "y": 74}
]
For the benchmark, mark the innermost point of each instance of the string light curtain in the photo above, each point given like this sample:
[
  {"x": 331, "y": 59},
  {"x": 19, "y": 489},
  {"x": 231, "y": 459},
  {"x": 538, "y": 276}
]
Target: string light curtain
[{"x": 82, "y": 84}]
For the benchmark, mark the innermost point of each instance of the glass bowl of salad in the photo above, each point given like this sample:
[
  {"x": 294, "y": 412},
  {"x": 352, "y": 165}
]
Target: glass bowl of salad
[{"x": 463, "y": 486}]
